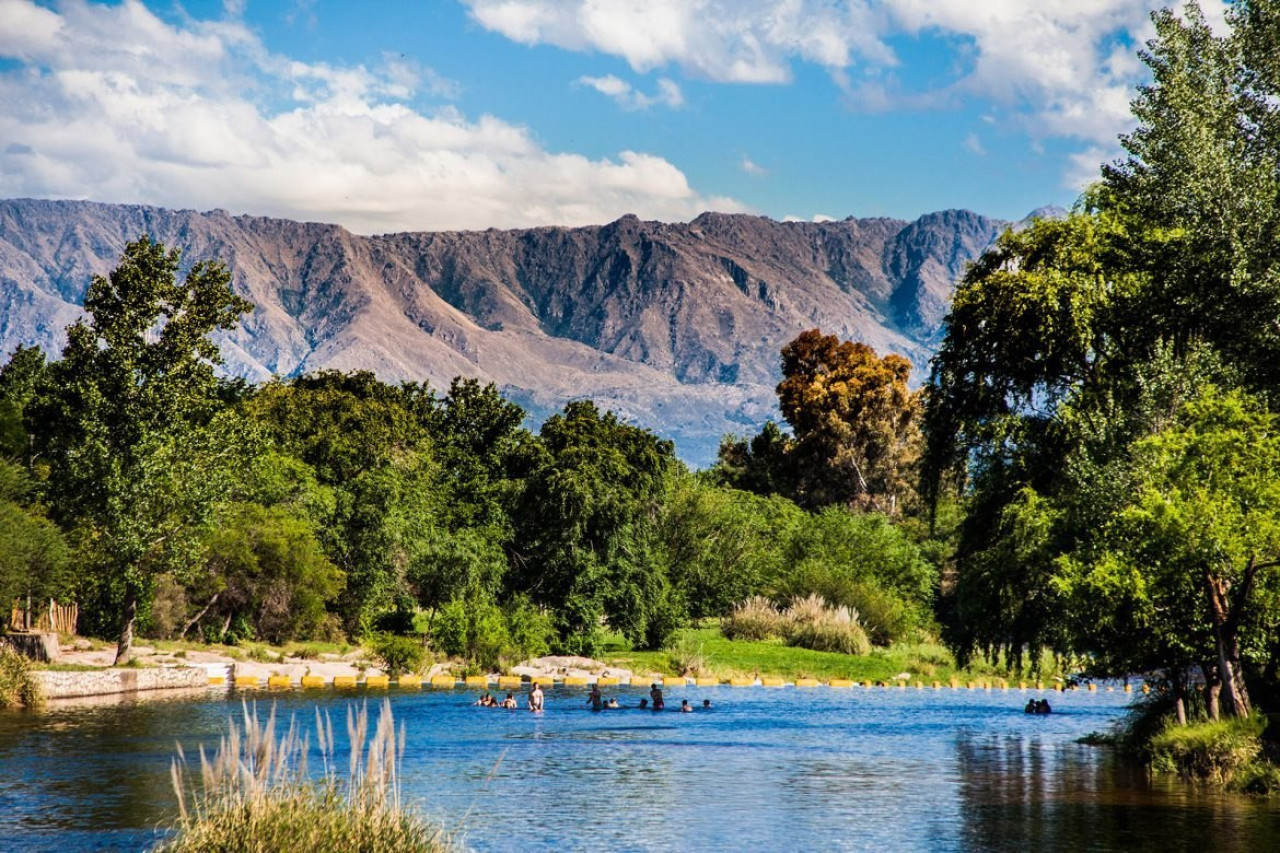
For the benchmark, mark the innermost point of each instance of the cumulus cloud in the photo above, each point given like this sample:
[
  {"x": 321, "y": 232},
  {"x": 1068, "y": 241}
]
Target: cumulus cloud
[
  {"x": 1063, "y": 68},
  {"x": 668, "y": 92},
  {"x": 113, "y": 103}
]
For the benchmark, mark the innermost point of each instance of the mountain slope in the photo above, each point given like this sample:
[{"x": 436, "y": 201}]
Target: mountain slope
[{"x": 675, "y": 325}]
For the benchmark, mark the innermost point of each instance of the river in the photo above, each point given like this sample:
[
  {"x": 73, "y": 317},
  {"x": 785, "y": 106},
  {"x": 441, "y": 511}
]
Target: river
[{"x": 763, "y": 769}]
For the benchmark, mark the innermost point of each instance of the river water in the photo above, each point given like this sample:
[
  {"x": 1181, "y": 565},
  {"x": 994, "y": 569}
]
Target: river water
[{"x": 764, "y": 769}]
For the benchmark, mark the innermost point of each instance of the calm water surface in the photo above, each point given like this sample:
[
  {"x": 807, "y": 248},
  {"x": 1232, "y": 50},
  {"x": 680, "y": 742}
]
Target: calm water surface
[{"x": 787, "y": 769}]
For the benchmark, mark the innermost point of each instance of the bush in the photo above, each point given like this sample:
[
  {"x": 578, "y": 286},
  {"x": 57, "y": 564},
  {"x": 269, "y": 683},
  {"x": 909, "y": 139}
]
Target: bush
[
  {"x": 474, "y": 629},
  {"x": 256, "y": 796},
  {"x": 1210, "y": 750},
  {"x": 754, "y": 619},
  {"x": 531, "y": 630},
  {"x": 811, "y": 624},
  {"x": 397, "y": 655},
  {"x": 687, "y": 658},
  {"x": 18, "y": 684}
]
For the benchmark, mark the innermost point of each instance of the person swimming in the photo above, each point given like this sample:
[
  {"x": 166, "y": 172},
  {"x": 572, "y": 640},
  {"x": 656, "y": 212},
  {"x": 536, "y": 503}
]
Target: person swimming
[
  {"x": 1031, "y": 707},
  {"x": 655, "y": 693},
  {"x": 485, "y": 701},
  {"x": 644, "y": 703},
  {"x": 612, "y": 703},
  {"x": 685, "y": 707},
  {"x": 509, "y": 702},
  {"x": 706, "y": 704}
]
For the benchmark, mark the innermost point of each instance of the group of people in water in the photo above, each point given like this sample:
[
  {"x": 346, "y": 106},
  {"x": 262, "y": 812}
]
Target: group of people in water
[
  {"x": 595, "y": 699},
  {"x": 1038, "y": 706}
]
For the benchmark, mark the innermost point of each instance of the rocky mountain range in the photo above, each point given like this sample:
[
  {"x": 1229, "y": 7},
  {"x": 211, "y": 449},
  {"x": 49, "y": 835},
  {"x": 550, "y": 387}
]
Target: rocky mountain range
[{"x": 676, "y": 326}]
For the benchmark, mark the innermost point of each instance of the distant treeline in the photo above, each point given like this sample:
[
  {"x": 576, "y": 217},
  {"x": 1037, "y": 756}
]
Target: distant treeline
[{"x": 139, "y": 483}]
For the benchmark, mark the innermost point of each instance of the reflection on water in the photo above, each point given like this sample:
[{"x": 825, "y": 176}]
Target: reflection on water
[
  {"x": 1035, "y": 794},
  {"x": 765, "y": 769}
]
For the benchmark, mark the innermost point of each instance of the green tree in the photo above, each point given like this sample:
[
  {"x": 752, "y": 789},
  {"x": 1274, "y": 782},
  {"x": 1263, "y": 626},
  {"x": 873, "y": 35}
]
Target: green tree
[
  {"x": 139, "y": 447},
  {"x": 264, "y": 567},
  {"x": 33, "y": 552},
  {"x": 587, "y": 544}
]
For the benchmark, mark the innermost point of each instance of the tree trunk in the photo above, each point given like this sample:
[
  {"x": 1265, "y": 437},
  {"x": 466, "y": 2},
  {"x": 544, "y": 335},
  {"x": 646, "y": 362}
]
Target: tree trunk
[
  {"x": 1179, "y": 683},
  {"x": 1212, "y": 687},
  {"x": 191, "y": 622},
  {"x": 124, "y": 646},
  {"x": 1235, "y": 696}
]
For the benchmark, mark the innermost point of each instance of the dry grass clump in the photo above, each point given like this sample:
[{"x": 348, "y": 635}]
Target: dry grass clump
[
  {"x": 812, "y": 624},
  {"x": 808, "y": 622},
  {"x": 18, "y": 684},
  {"x": 255, "y": 795},
  {"x": 754, "y": 619}
]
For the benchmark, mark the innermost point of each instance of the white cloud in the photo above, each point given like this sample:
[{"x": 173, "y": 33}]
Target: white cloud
[
  {"x": 1060, "y": 68},
  {"x": 668, "y": 92},
  {"x": 112, "y": 103},
  {"x": 751, "y": 167},
  {"x": 739, "y": 41},
  {"x": 973, "y": 145}
]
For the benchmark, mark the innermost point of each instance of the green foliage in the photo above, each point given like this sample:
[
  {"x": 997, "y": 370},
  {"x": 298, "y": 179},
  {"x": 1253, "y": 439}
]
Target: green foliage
[
  {"x": 722, "y": 544},
  {"x": 266, "y": 566},
  {"x": 861, "y": 561},
  {"x": 399, "y": 655},
  {"x": 588, "y": 543},
  {"x": 33, "y": 552},
  {"x": 1099, "y": 401},
  {"x": 18, "y": 684},
  {"x": 1212, "y": 750}
]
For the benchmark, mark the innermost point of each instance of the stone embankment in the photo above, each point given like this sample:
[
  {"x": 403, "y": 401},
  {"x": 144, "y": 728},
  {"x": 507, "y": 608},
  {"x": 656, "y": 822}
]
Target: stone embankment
[{"x": 106, "y": 682}]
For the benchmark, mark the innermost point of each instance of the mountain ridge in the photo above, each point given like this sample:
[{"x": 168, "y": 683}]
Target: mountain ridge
[{"x": 674, "y": 325}]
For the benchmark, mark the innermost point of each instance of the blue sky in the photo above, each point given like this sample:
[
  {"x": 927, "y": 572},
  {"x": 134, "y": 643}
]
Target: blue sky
[{"x": 391, "y": 115}]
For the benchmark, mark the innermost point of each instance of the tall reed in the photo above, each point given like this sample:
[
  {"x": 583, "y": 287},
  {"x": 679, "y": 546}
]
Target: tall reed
[
  {"x": 18, "y": 684},
  {"x": 256, "y": 794}
]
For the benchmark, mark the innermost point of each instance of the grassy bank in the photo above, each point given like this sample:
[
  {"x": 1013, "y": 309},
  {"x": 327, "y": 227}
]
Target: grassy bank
[
  {"x": 256, "y": 796},
  {"x": 1231, "y": 753},
  {"x": 705, "y": 651}
]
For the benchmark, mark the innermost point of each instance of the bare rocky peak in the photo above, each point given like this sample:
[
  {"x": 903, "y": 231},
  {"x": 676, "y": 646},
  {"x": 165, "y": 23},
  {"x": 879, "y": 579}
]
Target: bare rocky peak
[{"x": 677, "y": 325}]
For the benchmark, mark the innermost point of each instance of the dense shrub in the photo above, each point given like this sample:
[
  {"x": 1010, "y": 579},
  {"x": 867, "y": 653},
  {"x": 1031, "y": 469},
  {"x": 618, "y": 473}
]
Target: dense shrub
[
  {"x": 18, "y": 685},
  {"x": 484, "y": 634},
  {"x": 398, "y": 655},
  {"x": 810, "y": 624},
  {"x": 754, "y": 619}
]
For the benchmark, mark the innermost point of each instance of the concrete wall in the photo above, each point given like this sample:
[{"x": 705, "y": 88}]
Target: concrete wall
[{"x": 105, "y": 682}]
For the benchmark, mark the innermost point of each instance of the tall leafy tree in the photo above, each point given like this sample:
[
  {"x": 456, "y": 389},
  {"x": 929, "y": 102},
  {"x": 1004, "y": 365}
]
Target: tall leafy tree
[
  {"x": 139, "y": 447},
  {"x": 854, "y": 418},
  {"x": 588, "y": 529}
]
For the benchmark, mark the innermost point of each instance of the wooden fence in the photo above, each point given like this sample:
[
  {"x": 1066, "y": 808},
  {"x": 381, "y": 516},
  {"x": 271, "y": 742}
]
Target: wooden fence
[{"x": 27, "y": 616}]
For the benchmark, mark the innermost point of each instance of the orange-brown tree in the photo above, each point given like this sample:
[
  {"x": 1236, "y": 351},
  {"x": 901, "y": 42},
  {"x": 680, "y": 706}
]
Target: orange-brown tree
[{"x": 856, "y": 423}]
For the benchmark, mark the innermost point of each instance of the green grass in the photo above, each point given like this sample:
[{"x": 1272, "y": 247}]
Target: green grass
[
  {"x": 1215, "y": 751},
  {"x": 724, "y": 658}
]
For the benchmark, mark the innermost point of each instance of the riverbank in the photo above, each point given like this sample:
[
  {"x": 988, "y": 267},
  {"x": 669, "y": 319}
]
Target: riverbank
[{"x": 704, "y": 651}]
